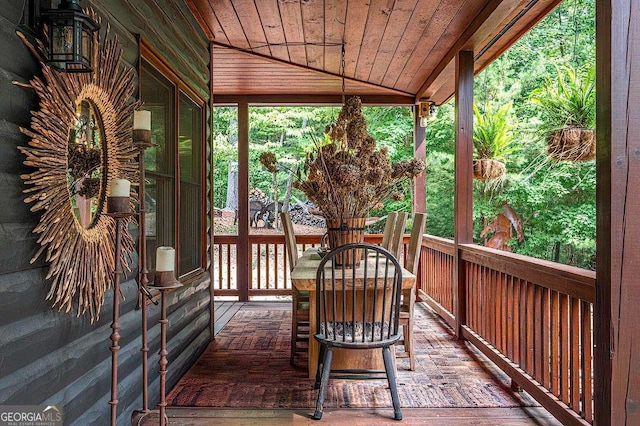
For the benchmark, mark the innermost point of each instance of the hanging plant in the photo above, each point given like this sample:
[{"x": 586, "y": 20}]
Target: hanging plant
[
  {"x": 567, "y": 106},
  {"x": 492, "y": 142}
]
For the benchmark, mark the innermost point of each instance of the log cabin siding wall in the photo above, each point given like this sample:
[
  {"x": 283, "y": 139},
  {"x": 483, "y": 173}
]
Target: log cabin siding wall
[{"x": 51, "y": 357}]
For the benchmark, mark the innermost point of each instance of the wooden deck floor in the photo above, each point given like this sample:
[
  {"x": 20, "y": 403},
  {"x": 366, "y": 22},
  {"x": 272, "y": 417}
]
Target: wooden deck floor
[
  {"x": 346, "y": 416},
  {"x": 356, "y": 416}
]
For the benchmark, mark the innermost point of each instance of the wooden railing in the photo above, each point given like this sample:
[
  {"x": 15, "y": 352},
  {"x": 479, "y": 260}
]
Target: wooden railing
[
  {"x": 435, "y": 276},
  {"x": 269, "y": 272},
  {"x": 533, "y": 318}
]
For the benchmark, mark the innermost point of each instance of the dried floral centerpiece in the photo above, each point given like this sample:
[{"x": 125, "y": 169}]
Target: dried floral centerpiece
[{"x": 346, "y": 176}]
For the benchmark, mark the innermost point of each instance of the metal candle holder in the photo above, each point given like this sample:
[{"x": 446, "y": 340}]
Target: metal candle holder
[
  {"x": 119, "y": 209},
  {"x": 163, "y": 281},
  {"x": 142, "y": 141}
]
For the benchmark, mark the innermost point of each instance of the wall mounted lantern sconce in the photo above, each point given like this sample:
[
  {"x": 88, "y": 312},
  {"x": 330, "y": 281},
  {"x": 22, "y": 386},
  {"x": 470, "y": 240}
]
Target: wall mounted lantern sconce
[
  {"x": 69, "y": 34},
  {"x": 426, "y": 111}
]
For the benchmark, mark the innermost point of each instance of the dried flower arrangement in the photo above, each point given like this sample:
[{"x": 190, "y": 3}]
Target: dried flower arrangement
[{"x": 345, "y": 175}]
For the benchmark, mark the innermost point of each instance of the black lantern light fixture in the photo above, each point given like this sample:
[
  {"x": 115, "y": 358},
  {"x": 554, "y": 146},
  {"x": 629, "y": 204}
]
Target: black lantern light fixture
[{"x": 70, "y": 36}]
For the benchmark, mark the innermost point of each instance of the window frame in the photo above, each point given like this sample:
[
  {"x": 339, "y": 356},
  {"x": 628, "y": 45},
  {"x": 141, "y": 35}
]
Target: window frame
[{"x": 150, "y": 57}]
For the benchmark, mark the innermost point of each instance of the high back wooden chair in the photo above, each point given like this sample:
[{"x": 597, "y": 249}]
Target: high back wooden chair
[
  {"x": 409, "y": 295},
  {"x": 300, "y": 303},
  {"x": 388, "y": 229},
  {"x": 398, "y": 233},
  {"x": 357, "y": 307}
]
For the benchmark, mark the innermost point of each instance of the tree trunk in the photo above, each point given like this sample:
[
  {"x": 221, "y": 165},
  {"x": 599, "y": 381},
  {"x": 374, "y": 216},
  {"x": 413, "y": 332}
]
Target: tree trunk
[
  {"x": 232, "y": 187},
  {"x": 287, "y": 195}
]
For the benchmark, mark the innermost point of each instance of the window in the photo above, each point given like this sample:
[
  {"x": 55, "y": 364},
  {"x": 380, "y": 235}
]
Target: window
[
  {"x": 189, "y": 153},
  {"x": 174, "y": 170}
]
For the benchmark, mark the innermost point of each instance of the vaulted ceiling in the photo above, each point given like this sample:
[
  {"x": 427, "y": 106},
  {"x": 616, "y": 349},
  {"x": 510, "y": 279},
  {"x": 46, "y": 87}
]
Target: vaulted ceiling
[{"x": 395, "y": 51}]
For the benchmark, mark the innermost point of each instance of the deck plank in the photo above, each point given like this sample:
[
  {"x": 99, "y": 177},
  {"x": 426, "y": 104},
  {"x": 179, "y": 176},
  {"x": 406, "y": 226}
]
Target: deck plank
[
  {"x": 223, "y": 312},
  {"x": 353, "y": 416}
]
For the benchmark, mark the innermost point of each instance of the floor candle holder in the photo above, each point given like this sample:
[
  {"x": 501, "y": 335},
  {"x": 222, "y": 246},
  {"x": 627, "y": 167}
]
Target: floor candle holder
[
  {"x": 142, "y": 140},
  {"x": 164, "y": 281},
  {"x": 119, "y": 209}
]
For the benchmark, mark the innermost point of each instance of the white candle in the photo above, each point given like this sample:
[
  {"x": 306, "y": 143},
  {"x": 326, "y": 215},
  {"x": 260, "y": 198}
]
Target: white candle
[
  {"x": 165, "y": 259},
  {"x": 119, "y": 188},
  {"x": 142, "y": 120}
]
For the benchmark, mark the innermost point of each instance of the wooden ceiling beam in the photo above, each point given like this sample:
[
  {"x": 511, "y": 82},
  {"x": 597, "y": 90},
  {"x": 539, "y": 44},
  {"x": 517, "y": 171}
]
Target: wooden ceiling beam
[
  {"x": 316, "y": 100},
  {"x": 389, "y": 90}
]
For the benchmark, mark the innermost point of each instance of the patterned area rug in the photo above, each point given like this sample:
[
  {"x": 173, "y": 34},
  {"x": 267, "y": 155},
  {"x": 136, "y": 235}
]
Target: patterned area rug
[{"x": 248, "y": 367}]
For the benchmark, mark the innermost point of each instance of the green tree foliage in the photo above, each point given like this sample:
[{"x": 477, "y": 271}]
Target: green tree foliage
[
  {"x": 556, "y": 200},
  {"x": 287, "y": 132}
]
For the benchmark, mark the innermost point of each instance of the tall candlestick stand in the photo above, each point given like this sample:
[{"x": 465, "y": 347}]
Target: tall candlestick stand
[
  {"x": 163, "y": 282},
  {"x": 142, "y": 141},
  {"x": 118, "y": 208}
]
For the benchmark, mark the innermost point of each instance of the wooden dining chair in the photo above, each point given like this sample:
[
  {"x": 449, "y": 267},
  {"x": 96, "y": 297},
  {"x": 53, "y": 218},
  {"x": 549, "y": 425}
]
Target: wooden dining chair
[
  {"x": 409, "y": 295},
  {"x": 357, "y": 320},
  {"x": 388, "y": 229},
  {"x": 300, "y": 303},
  {"x": 398, "y": 233}
]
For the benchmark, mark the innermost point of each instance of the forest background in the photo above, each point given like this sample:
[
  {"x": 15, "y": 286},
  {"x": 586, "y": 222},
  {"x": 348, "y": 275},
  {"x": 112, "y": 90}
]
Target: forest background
[{"x": 555, "y": 200}]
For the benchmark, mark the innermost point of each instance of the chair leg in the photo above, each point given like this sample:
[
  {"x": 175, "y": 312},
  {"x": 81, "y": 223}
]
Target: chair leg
[
  {"x": 391, "y": 378},
  {"x": 293, "y": 344},
  {"x": 319, "y": 365},
  {"x": 326, "y": 369},
  {"x": 408, "y": 344},
  {"x": 294, "y": 328}
]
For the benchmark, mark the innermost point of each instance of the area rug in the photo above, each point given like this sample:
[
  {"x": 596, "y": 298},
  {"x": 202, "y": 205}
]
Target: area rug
[{"x": 248, "y": 367}]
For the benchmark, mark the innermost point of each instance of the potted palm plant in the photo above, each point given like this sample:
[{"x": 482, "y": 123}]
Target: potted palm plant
[
  {"x": 567, "y": 106},
  {"x": 492, "y": 142}
]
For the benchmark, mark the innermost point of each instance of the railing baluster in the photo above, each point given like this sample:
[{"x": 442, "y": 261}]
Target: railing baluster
[
  {"x": 537, "y": 332},
  {"x": 228, "y": 266},
  {"x": 516, "y": 322},
  {"x": 510, "y": 319},
  {"x": 276, "y": 263},
  {"x": 587, "y": 356},
  {"x": 555, "y": 343},
  {"x": 575, "y": 354},
  {"x": 565, "y": 349},
  {"x": 503, "y": 312},
  {"x": 530, "y": 328},
  {"x": 545, "y": 338}
]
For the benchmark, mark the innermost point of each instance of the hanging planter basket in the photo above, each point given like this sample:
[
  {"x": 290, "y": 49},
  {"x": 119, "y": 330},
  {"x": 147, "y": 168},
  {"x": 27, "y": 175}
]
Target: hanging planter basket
[
  {"x": 488, "y": 168},
  {"x": 572, "y": 144}
]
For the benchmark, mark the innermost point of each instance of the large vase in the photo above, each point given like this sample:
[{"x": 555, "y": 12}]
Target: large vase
[{"x": 346, "y": 231}]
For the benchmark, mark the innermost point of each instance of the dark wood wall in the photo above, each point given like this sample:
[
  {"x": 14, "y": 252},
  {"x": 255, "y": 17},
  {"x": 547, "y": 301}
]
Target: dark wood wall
[{"x": 50, "y": 357}]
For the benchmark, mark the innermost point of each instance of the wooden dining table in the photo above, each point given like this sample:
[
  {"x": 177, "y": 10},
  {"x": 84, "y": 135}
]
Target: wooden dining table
[{"x": 303, "y": 278}]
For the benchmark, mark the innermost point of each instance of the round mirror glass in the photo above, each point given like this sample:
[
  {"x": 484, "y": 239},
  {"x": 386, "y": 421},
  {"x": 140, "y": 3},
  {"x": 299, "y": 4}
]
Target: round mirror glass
[{"x": 85, "y": 164}]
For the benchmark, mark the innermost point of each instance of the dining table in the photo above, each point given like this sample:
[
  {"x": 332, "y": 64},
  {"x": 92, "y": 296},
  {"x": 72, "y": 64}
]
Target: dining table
[{"x": 303, "y": 278}]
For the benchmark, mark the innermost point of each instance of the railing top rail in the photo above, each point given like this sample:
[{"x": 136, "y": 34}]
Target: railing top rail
[
  {"x": 569, "y": 280},
  {"x": 438, "y": 243},
  {"x": 279, "y": 238}
]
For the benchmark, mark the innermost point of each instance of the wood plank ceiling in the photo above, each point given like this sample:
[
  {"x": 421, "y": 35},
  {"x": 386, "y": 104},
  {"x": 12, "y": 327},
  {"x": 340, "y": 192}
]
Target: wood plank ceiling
[{"x": 395, "y": 51}]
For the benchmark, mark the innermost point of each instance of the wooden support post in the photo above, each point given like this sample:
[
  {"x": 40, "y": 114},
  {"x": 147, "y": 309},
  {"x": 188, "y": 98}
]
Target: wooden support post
[
  {"x": 420, "y": 152},
  {"x": 209, "y": 165},
  {"x": 463, "y": 203},
  {"x": 616, "y": 314},
  {"x": 243, "y": 248}
]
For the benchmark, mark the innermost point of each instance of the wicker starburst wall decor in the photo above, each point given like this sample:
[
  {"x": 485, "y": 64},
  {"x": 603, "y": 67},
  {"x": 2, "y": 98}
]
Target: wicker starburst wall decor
[{"x": 81, "y": 259}]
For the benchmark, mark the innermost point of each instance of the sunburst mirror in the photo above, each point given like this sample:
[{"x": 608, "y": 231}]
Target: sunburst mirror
[{"x": 80, "y": 139}]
